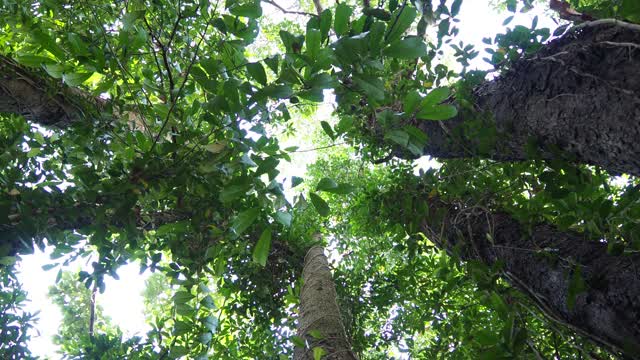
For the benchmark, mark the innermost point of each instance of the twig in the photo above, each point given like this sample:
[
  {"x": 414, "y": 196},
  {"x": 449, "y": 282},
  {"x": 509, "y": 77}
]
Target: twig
[
  {"x": 319, "y": 148},
  {"x": 273, "y": 3}
]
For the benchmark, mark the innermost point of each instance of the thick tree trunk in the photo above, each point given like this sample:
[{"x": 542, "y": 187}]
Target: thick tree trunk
[
  {"x": 579, "y": 98},
  {"x": 21, "y": 223},
  {"x": 542, "y": 261},
  {"x": 319, "y": 321},
  {"x": 41, "y": 99}
]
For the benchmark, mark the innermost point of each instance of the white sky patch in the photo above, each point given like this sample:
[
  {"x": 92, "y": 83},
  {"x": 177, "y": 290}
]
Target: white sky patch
[{"x": 122, "y": 300}]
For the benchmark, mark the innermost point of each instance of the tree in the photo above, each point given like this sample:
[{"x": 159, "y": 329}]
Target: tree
[
  {"x": 146, "y": 130},
  {"x": 320, "y": 325},
  {"x": 85, "y": 331}
]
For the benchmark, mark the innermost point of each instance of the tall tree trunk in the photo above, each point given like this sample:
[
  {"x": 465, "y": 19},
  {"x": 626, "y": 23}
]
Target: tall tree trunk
[
  {"x": 579, "y": 98},
  {"x": 319, "y": 321},
  {"x": 542, "y": 261},
  {"x": 41, "y": 99}
]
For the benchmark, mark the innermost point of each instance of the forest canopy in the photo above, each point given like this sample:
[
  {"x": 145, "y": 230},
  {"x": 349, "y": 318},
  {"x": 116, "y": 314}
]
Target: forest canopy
[{"x": 259, "y": 160}]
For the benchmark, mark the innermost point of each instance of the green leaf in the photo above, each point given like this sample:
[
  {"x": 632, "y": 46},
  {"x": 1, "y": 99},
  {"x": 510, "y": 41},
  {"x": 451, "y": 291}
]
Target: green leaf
[
  {"x": 272, "y": 63},
  {"x": 316, "y": 334},
  {"x": 325, "y": 23},
  {"x": 177, "y": 227},
  {"x": 327, "y": 129},
  {"x": 295, "y": 181},
  {"x": 372, "y": 87},
  {"x": 507, "y": 20},
  {"x": 408, "y": 48},
  {"x": 250, "y": 9},
  {"x": 277, "y": 91},
  {"x": 313, "y": 40},
  {"x": 205, "y": 338},
  {"x": 48, "y": 267},
  {"x": 439, "y": 112},
  {"x": 398, "y": 136},
  {"x": 182, "y": 297},
  {"x": 244, "y": 220},
  {"x": 376, "y": 35},
  {"x": 321, "y": 206},
  {"x": 262, "y": 248},
  {"x": 8, "y": 260},
  {"x": 326, "y": 184},
  {"x": 411, "y": 102},
  {"x": 34, "y": 60},
  {"x": 256, "y": 71},
  {"x": 283, "y": 218},
  {"x": 341, "y": 22},
  {"x": 318, "y": 353},
  {"x": 298, "y": 341},
  {"x": 342, "y": 189},
  {"x": 33, "y": 152},
  {"x": 232, "y": 192},
  {"x": 77, "y": 45},
  {"x": 435, "y": 96},
  {"x": 455, "y": 7},
  {"x": 400, "y": 21},
  {"x": 576, "y": 286},
  {"x": 75, "y": 79}
]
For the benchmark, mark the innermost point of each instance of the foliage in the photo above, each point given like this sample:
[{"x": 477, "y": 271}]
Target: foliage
[
  {"x": 15, "y": 322},
  {"x": 77, "y": 336},
  {"x": 169, "y": 155}
]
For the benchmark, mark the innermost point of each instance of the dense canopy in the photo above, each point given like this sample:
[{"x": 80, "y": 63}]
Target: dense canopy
[{"x": 259, "y": 158}]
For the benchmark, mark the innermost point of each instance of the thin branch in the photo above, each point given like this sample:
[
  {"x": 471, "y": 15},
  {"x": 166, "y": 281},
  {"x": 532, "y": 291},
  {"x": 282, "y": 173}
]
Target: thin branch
[
  {"x": 319, "y": 148},
  {"x": 184, "y": 82},
  {"x": 318, "y": 6},
  {"x": 273, "y": 3}
]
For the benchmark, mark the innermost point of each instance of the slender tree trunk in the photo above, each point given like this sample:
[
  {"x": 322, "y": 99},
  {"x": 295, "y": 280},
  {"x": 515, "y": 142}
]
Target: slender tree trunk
[
  {"x": 542, "y": 261},
  {"x": 319, "y": 321},
  {"x": 92, "y": 311},
  {"x": 578, "y": 98}
]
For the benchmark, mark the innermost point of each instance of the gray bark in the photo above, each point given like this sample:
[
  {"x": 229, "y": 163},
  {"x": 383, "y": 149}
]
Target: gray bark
[
  {"x": 578, "y": 99},
  {"x": 541, "y": 261},
  {"x": 41, "y": 99},
  {"x": 319, "y": 312}
]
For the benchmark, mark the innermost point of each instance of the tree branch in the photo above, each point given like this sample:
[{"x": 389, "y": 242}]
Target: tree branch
[{"x": 273, "y": 3}]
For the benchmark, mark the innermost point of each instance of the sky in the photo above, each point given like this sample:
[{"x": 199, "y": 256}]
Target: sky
[{"x": 122, "y": 300}]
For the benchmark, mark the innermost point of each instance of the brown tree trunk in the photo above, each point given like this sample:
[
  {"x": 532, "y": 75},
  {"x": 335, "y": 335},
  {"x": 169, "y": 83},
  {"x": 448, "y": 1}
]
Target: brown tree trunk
[
  {"x": 542, "y": 261},
  {"x": 41, "y": 99},
  {"x": 319, "y": 322},
  {"x": 578, "y": 98}
]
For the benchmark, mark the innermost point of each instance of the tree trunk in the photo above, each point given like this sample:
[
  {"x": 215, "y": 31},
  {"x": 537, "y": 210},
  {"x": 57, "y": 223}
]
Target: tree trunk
[
  {"x": 41, "y": 99},
  {"x": 319, "y": 321},
  {"x": 578, "y": 98},
  {"x": 542, "y": 261}
]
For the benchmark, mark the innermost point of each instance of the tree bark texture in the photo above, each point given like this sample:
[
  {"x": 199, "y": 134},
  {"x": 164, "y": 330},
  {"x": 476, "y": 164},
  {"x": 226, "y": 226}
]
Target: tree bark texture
[
  {"x": 41, "y": 99},
  {"x": 319, "y": 321},
  {"x": 25, "y": 219},
  {"x": 579, "y": 98},
  {"x": 541, "y": 261}
]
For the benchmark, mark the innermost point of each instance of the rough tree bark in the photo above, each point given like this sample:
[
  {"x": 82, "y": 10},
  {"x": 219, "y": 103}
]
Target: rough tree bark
[
  {"x": 25, "y": 224},
  {"x": 319, "y": 312},
  {"x": 41, "y": 99},
  {"x": 541, "y": 261},
  {"x": 578, "y": 97}
]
